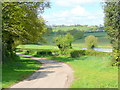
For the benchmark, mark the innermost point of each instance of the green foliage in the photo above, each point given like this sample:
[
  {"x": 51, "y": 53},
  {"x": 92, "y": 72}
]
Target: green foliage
[
  {"x": 76, "y": 33},
  {"x": 44, "y": 52},
  {"x": 96, "y": 53},
  {"x": 60, "y": 32},
  {"x": 77, "y": 53},
  {"x": 112, "y": 27},
  {"x": 116, "y": 56},
  {"x": 64, "y": 42},
  {"x": 77, "y": 27},
  {"x": 20, "y": 24},
  {"x": 103, "y": 41},
  {"x": 91, "y": 41}
]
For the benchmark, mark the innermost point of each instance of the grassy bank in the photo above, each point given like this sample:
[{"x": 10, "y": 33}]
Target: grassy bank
[
  {"x": 92, "y": 71},
  {"x": 18, "y": 69}
]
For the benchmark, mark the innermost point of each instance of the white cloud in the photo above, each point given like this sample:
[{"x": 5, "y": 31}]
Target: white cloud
[
  {"x": 79, "y": 11},
  {"x": 66, "y": 3},
  {"x": 75, "y": 15}
]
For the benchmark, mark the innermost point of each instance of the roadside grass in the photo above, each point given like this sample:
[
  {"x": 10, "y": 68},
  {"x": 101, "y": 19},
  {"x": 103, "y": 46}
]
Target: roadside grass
[
  {"x": 18, "y": 69},
  {"x": 30, "y": 46},
  {"x": 92, "y": 71}
]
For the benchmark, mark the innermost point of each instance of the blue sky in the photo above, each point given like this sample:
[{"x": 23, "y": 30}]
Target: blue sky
[{"x": 69, "y": 12}]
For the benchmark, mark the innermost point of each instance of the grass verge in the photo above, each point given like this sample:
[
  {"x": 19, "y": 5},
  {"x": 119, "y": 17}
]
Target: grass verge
[
  {"x": 18, "y": 69},
  {"x": 92, "y": 71}
]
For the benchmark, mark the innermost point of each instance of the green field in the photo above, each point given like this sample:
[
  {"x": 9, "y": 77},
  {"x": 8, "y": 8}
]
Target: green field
[
  {"x": 103, "y": 41},
  {"x": 92, "y": 71},
  {"x": 81, "y": 28},
  {"x": 31, "y": 46},
  {"x": 18, "y": 69}
]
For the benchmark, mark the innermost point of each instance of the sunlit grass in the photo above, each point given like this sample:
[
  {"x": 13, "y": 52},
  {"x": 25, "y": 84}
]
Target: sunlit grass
[
  {"x": 30, "y": 46},
  {"x": 92, "y": 72},
  {"x": 83, "y": 45}
]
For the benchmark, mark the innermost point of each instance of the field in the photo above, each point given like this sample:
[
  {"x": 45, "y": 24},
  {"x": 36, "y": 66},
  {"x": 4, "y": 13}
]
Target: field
[
  {"x": 81, "y": 28},
  {"x": 92, "y": 72},
  {"x": 103, "y": 41},
  {"x": 31, "y": 46},
  {"x": 18, "y": 69}
]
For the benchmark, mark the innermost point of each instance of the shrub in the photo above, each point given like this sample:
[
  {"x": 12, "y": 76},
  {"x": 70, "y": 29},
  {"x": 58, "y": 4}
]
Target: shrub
[
  {"x": 44, "y": 52},
  {"x": 116, "y": 57},
  {"x": 55, "y": 52},
  {"x": 95, "y": 53},
  {"x": 77, "y": 53},
  {"x": 26, "y": 52},
  {"x": 91, "y": 41},
  {"x": 64, "y": 42}
]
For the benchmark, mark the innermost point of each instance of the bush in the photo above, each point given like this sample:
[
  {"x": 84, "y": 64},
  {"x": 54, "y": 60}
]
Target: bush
[
  {"x": 77, "y": 53},
  {"x": 26, "y": 52},
  {"x": 96, "y": 53},
  {"x": 91, "y": 41},
  {"x": 44, "y": 52},
  {"x": 64, "y": 42},
  {"x": 55, "y": 52}
]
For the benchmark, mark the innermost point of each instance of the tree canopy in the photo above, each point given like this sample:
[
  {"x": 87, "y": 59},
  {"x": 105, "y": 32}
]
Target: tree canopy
[
  {"x": 91, "y": 41},
  {"x": 112, "y": 24},
  {"x": 21, "y": 24},
  {"x": 64, "y": 42}
]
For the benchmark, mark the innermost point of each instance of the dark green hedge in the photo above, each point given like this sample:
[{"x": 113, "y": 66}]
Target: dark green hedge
[{"x": 77, "y": 53}]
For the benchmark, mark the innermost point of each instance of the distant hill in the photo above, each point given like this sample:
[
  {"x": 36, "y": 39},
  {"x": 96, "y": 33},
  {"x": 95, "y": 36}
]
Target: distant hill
[{"x": 77, "y": 27}]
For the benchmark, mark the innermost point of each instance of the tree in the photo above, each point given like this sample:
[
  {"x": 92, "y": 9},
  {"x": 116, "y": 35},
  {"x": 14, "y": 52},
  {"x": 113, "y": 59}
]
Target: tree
[
  {"x": 20, "y": 23},
  {"x": 60, "y": 32},
  {"x": 76, "y": 33},
  {"x": 48, "y": 31},
  {"x": 112, "y": 25},
  {"x": 64, "y": 42},
  {"x": 91, "y": 41}
]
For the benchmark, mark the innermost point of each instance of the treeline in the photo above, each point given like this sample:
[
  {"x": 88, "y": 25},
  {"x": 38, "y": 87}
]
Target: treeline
[
  {"x": 21, "y": 24},
  {"x": 112, "y": 26},
  {"x": 76, "y": 25},
  {"x": 79, "y": 27}
]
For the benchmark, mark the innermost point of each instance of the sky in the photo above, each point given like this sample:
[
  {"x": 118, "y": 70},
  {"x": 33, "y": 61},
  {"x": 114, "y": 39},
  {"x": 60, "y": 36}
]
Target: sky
[{"x": 71, "y": 12}]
